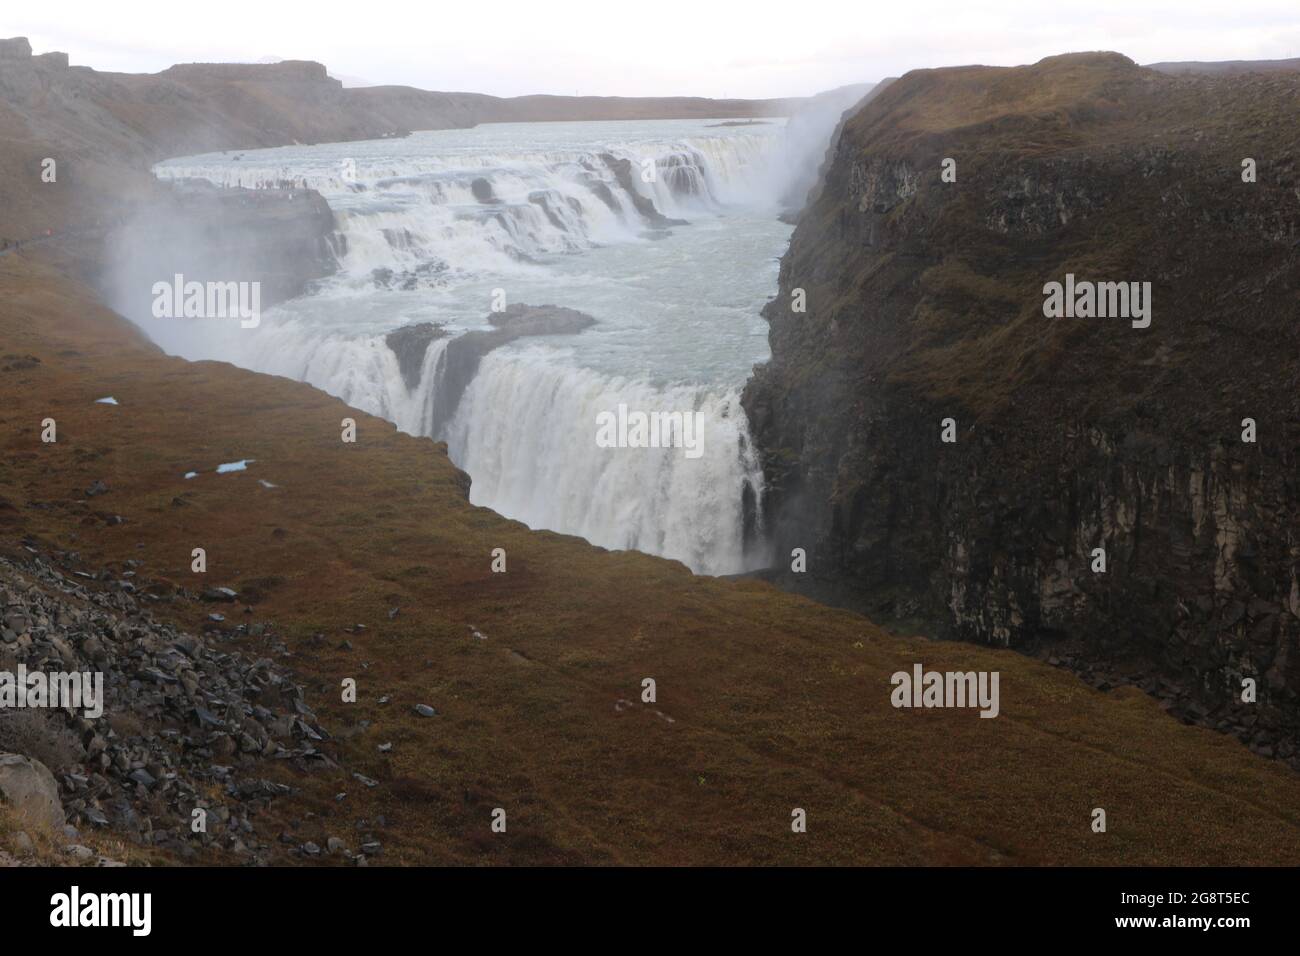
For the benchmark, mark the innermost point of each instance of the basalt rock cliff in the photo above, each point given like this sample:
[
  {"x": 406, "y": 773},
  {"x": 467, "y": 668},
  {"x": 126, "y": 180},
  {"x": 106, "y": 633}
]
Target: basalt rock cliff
[{"x": 925, "y": 303}]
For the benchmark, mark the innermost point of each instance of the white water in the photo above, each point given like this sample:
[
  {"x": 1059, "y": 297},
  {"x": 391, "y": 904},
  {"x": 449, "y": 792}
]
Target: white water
[{"x": 677, "y": 310}]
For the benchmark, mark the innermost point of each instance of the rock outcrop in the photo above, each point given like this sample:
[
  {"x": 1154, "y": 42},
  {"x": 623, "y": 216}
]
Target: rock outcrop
[
  {"x": 925, "y": 303},
  {"x": 461, "y": 359},
  {"x": 28, "y": 786},
  {"x": 410, "y": 344},
  {"x": 622, "y": 170},
  {"x": 280, "y": 238}
]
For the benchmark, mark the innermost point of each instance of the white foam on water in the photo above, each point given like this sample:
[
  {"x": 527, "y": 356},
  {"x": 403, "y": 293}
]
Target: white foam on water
[{"x": 676, "y": 306}]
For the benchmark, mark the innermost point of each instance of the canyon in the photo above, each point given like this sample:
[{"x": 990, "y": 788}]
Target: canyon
[{"x": 477, "y": 690}]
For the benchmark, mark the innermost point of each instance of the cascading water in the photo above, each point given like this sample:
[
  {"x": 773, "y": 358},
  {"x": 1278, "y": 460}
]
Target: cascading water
[
  {"x": 439, "y": 227},
  {"x": 540, "y": 464}
]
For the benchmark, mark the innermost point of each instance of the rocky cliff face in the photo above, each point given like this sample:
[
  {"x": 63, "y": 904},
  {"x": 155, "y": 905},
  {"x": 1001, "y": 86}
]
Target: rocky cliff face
[
  {"x": 925, "y": 302},
  {"x": 279, "y": 238}
]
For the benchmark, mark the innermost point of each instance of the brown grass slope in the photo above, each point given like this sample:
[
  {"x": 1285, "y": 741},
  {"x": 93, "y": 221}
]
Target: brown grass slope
[{"x": 766, "y": 701}]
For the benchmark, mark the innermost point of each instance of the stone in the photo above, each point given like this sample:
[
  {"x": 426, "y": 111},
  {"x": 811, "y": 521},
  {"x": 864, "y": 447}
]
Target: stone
[
  {"x": 29, "y": 787},
  {"x": 142, "y": 777},
  {"x": 23, "y": 843},
  {"x": 189, "y": 710}
]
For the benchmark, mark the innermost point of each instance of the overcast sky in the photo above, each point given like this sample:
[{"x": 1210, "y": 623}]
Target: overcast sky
[{"x": 646, "y": 47}]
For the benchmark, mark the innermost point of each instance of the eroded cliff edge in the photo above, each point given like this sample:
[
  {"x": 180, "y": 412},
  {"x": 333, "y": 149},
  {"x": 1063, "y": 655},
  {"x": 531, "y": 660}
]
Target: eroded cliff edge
[{"x": 925, "y": 302}]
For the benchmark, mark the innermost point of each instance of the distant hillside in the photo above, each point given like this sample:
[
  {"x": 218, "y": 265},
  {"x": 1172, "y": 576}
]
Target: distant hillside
[
  {"x": 105, "y": 129},
  {"x": 1227, "y": 66}
]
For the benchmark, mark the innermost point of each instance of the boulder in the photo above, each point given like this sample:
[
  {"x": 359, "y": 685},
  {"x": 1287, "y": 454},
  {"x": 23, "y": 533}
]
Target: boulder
[{"x": 28, "y": 786}]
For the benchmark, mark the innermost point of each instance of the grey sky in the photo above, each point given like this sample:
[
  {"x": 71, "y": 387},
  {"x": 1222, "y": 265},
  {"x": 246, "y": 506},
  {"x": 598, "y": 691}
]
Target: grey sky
[{"x": 646, "y": 47}]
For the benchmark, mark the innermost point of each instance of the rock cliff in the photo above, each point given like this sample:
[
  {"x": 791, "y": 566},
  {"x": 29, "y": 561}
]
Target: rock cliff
[{"x": 925, "y": 302}]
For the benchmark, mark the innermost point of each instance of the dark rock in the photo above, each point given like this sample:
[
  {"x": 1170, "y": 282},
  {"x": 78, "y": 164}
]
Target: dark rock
[
  {"x": 409, "y": 344},
  {"x": 623, "y": 172},
  {"x": 461, "y": 359},
  {"x": 482, "y": 190}
]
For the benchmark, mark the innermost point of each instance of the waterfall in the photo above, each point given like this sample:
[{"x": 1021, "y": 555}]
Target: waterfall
[
  {"x": 539, "y": 461},
  {"x": 417, "y": 226}
]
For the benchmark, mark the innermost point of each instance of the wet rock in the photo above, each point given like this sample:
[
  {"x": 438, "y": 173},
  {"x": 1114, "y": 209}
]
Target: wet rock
[
  {"x": 461, "y": 359},
  {"x": 482, "y": 190},
  {"x": 410, "y": 344},
  {"x": 623, "y": 172}
]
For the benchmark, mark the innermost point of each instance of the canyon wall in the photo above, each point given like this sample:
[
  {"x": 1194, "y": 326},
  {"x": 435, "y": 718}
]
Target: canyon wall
[{"x": 925, "y": 303}]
